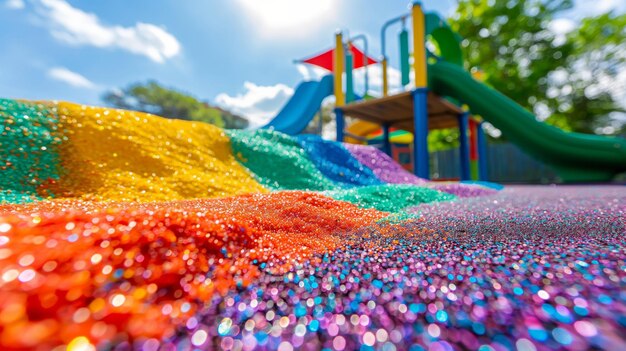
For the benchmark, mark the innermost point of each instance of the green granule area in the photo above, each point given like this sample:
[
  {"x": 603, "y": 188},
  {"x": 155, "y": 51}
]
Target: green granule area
[{"x": 277, "y": 161}]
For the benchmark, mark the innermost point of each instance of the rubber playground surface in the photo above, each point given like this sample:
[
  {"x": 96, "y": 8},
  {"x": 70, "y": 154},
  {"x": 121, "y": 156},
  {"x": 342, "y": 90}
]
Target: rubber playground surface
[{"x": 125, "y": 231}]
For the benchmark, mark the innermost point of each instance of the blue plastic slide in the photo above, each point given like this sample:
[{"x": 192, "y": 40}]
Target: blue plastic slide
[{"x": 302, "y": 107}]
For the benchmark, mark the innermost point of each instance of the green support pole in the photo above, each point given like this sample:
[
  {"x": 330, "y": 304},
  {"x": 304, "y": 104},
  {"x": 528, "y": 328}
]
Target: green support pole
[
  {"x": 405, "y": 70},
  {"x": 349, "y": 79},
  {"x": 474, "y": 170}
]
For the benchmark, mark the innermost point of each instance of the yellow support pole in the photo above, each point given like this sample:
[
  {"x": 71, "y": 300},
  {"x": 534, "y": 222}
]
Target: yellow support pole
[
  {"x": 419, "y": 46},
  {"x": 385, "y": 79},
  {"x": 338, "y": 67}
]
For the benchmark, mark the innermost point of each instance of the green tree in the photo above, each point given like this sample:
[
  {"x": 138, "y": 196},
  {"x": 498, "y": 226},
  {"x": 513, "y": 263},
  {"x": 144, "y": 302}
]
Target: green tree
[
  {"x": 553, "y": 74},
  {"x": 587, "y": 99},
  {"x": 154, "y": 98},
  {"x": 231, "y": 120}
]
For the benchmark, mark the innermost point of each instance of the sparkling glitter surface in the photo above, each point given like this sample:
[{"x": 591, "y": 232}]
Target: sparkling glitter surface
[
  {"x": 528, "y": 269},
  {"x": 410, "y": 265},
  {"x": 113, "y": 154},
  {"x": 277, "y": 160},
  {"x": 336, "y": 163},
  {"x": 462, "y": 190},
  {"x": 28, "y": 156},
  {"x": 113, "y": 271},
  {"x": 383, "y": 166},
  {"x": 389, "y": 197}
]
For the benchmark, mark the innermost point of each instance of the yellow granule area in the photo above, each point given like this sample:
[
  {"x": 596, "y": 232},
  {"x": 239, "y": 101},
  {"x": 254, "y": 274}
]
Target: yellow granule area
[{"x": 117, "y": 155}]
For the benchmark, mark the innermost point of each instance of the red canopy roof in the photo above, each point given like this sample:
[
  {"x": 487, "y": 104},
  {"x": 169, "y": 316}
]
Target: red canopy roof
[{"x": 325, "y": 59}]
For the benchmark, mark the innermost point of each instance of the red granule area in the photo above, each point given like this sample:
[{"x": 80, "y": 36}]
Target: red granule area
[{"x": 127, "y": 270}]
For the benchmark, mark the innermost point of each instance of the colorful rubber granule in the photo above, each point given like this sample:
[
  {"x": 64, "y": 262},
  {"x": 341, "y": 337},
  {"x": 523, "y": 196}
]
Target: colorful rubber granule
[
  {"x": 336, "y": 163},
  {"x": 463, "y": 190},
  {"x": 110, "y": 154},
  {"x": 277, "y": 161},
  {"x": 118, "y": 271},
  {"x": 382, "y": 165},
  {"x": 390, "y": 197},
  {"x": 28, "y": 155},
  {"x": 532, "y": 268}
]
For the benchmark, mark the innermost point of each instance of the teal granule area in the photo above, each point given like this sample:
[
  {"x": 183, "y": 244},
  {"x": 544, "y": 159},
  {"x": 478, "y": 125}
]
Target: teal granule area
[
  {"x": 390, "y": 197},
  {"x": 277, "y": 161},
  {"x": 28, "y": 155}
]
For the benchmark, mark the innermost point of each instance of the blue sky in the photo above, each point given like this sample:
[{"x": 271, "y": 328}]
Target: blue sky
[{"x": 236, "y": 53}]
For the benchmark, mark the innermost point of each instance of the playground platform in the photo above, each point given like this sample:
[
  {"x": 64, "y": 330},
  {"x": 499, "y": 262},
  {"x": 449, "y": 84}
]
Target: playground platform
[
  {"x": 418, "y": 110},
  {"x": 398, "y": 111}
]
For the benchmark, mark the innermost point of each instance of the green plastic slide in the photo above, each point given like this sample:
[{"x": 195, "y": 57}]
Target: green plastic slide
[{"x": 576, "y": 157}]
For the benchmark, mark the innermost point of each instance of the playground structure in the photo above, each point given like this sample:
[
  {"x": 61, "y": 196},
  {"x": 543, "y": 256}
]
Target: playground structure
[{"x": 444, "y": 95}]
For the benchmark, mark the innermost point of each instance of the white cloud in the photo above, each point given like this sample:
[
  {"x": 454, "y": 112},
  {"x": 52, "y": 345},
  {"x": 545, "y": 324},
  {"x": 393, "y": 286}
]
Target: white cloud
[
  {"x": 310, "y": 72},
  {"x": 375, "y": 80},
  {"x": 76, "y": 27},
  {"x": 74, "y": 79},
  {"x": 15, "y": 4},
  {"x": 259, "y": 104},
  {"x": 288, "y": 18}
]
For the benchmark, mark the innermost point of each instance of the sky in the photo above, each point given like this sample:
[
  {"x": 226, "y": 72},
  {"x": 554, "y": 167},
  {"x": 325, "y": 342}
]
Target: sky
[{"x": 237, "y": 54}]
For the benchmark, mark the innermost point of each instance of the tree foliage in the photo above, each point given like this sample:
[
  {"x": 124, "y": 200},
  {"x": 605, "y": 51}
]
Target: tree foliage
[
  {"x": 591, "y": 98},
  {"x": 154, "y": 98},
  {"x": 562, "y": 76}
]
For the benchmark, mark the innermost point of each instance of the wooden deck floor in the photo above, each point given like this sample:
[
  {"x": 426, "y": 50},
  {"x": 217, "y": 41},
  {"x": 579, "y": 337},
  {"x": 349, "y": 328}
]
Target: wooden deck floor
[{"x": 397, "y": 111}]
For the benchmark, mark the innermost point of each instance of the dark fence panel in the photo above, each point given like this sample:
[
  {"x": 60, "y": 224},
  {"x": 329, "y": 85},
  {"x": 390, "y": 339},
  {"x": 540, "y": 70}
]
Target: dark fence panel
[
  {"x": 445, "y": 164},
  {"x": 506, "y": 164}
]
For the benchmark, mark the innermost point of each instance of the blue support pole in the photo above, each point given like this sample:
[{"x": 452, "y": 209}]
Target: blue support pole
[
  {"x": 340, "y": 122},
  {"x": 464, "y": 146},
  {"x": 420, "y": 133},
  {"x": 482, "y": 153},
  {"x": 386, "y": 142}
]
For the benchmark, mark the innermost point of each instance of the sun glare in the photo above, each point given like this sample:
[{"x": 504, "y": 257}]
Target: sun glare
[{"x": 296, "y": 16}]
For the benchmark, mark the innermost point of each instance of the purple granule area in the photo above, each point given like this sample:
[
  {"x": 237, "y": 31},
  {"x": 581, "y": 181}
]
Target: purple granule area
[
  {"x": 383, "y": 166},
  {"x": 463, "y": 190},
  {"x": 529, "y": 268}
]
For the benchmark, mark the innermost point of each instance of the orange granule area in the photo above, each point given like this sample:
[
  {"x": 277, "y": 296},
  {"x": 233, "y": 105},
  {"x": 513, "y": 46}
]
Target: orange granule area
[{"x": 98, "y": 270}]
